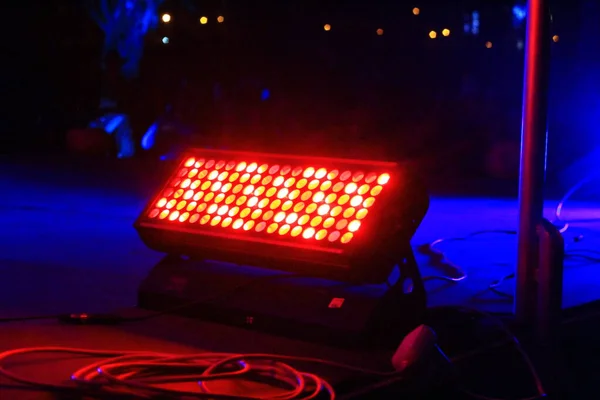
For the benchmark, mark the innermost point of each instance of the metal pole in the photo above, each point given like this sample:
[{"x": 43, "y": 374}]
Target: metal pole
[{"x": 533, "y": 156}]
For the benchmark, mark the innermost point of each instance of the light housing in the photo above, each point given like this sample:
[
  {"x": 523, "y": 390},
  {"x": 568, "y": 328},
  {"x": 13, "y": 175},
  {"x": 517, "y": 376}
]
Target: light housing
[{"x": 324, "y": 217}]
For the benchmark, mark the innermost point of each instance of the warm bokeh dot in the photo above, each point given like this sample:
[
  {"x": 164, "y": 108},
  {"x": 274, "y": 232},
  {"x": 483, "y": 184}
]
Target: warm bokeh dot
[
  {"x": 308, "y": 233},
  {"x": 252, "y": 167},
  {"x": 333, "y": 174},
  {"x": 322, "y": 234},
  {"x": 275, "y": 204},
  {"x": 362, "y": 213},
  {"x": 353, "y": 226},
  {"x": 346, "y": 237},
  {"x": 284, "y": 229},
  {"x": 321, "y": 172},
  {"x": 303, "y": 219}
]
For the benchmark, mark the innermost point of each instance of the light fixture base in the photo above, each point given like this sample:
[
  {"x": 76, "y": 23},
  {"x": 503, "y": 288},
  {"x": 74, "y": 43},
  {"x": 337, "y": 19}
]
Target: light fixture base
[{"x": 288, "y": 304}]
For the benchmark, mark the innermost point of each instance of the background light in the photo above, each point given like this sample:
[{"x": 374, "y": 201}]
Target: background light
[
  {"x": 220, "y": 19},
  {"x": 446, "y": 32},
  {"x": 327, "y": 27},
  {"x": 433, "y": 34},
  {"x": 379, "y": 31},
  {"x": 166, "y": 18},
  {"x": 475, "y": 23},
  {"x": 203, "y": 20},
  {"x": 519, "y": 12},
  {"x": 488, "y": 45},
  {"x": 416, "y": 11},
  {"x": 165, "y": 40},
  {"x": 555, "y": 38}
]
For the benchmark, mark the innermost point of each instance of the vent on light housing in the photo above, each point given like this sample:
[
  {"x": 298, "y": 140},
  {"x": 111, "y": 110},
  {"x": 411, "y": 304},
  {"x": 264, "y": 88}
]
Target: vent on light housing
[{"x": 325, "y": 217}]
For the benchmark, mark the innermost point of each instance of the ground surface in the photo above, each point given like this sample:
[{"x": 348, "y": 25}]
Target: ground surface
[{"x": 67, "y": 243}]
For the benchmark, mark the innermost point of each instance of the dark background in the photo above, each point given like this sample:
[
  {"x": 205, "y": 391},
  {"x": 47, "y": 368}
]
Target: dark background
[{"x": 450, "y": 103}]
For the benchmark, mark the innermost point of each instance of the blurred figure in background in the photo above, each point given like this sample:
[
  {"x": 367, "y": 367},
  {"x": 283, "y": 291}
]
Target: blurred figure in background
[{"x": 114, "y": 119}]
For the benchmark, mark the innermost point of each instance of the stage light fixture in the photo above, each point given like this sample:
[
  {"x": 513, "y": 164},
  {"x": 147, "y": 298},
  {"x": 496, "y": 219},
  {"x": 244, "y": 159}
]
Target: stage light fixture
[
  {"x": 334, "y": 218},
  {"x": 316, "y": 248}
]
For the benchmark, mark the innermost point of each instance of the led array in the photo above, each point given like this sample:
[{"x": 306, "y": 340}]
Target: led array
[{"x": 270, "y": 199}]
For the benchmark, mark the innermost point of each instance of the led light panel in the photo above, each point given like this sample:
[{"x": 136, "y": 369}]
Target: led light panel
[{"x": 267, "y": 205}]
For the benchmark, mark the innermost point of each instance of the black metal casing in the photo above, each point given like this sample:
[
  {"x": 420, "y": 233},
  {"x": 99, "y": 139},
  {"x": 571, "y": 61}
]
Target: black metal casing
[{"x": 285, "y": 304}]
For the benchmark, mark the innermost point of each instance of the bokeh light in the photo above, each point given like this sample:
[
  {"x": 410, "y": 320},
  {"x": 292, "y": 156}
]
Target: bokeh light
[
  {"x": 416, "y": 11},
  {"x": 433, "y": 34},
  {"x": 166, "y": 18},
  {"x": 520, "y": 44},
  {"x": 327, "y": 27},
  {"x": 203, "y": 20},
  {"x": 446, "y": 32}
]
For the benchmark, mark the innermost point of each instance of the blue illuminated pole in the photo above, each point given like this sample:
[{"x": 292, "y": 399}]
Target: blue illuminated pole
[{"x": 533, "y": 157}]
